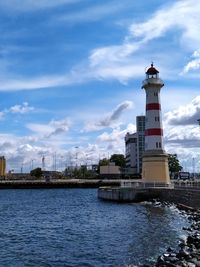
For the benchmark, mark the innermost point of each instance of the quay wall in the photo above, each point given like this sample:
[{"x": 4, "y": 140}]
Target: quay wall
[
  {"x": 184, "y": 196},
  {"x": 126, "y": 194},
  {"x": 72, "y": 183}
]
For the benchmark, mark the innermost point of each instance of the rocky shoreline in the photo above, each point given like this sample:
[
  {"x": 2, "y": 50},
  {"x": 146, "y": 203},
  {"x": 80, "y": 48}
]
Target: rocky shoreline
[{"x": 188, "y": 252}]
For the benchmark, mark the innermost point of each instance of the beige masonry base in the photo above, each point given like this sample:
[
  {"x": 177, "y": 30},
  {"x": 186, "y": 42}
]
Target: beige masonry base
[{"x": 155, "y": 168}]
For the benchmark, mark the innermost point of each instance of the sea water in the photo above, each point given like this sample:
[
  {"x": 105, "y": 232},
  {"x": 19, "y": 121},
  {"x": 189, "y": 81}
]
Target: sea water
[{"x": 71, "y": 227}]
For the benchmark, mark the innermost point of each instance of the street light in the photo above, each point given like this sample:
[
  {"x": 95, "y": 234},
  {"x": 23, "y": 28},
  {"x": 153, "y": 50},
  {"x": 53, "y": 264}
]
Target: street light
[
  {"x": 22, "y": 166},
  {"x": 76, "y": 156},
  {"x": 32, "y": 163}
]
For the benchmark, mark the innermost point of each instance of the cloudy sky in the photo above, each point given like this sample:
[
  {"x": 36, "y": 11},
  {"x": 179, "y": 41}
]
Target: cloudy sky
[{"x": 71, "y": 74}]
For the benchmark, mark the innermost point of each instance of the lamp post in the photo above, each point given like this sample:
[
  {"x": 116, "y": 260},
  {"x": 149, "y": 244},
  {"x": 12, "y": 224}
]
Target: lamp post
[
  {"x": 61, "y": 163},
  {"x": 22, "y": 166},
  {"x": 76, "y": 156},
  {"x": 32, "y": 164}
]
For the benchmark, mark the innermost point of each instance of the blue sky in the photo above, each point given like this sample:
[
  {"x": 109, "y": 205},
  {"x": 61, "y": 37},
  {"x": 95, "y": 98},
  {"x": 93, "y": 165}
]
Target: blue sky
[{"x": 71, "y": 74}]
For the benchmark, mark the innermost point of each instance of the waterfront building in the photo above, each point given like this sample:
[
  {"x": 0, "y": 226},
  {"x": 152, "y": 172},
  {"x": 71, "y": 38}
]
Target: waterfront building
[
  {"x": 134, "y": 147},
  {"x": 140, "y": 128},
  {"x": 131, "y": 153},
  {"x": 2, "y": 166},
  {"x": 155, "y": 160},
  {"x": 110, "y": 171}
]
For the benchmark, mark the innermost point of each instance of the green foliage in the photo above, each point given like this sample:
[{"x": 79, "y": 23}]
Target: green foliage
[
  {"x": 174, "y": 164},
  {"x": 118, "y": 159},
  {"x": 83, "y": 173},
  {"x": 103, "y": 162},
  {"x": 36, "y": 172}
]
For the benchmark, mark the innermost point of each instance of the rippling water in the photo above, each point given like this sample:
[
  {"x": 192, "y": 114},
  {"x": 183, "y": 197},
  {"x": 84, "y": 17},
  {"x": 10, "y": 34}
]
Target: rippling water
[{"x": 71, "y": 227}]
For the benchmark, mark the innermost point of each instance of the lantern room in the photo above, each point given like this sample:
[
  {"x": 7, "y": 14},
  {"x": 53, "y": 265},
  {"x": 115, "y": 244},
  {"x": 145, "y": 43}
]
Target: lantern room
[{"x": 152, "y": 72}]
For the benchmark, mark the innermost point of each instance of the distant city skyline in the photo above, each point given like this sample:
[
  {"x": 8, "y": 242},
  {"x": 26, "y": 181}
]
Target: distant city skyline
[{"x": 71, "y": 75}]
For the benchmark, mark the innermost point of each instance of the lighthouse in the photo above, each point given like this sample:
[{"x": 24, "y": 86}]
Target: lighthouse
[{"x": 155, "y": 159}]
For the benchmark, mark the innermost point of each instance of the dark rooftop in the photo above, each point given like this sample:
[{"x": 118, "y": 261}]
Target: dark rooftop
[{"x": 152, "y": 70}]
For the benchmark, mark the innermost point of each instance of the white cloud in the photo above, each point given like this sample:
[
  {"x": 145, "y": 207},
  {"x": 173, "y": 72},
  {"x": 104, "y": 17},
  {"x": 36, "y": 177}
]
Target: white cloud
[
  {"x": 185, "y": 115},
  {"x": 120, "y": 61},
  {"x": 94, "y": 12},
  {"x": 181, "y": 131},
  {"x": 2, "y": 114},
  {"x": 183, "y": 15},
  {"x": 182, "y": 134},
  {"x": 35, "y": 83},
  {"x": 114, "y": 140},
  {"x": 22, "y": 109},
  {"x": 194, "y": 64},
  {"x": 117, "y": 135},
  {"x": 30, "y": 5},
  {"x": 53, "y": 128},
  {"x": 109, "y": 120},
  {"x": 27, "y": 151}
]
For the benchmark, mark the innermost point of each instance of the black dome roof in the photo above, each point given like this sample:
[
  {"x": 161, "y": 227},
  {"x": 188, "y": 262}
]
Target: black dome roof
[{"x": 152, "y": 70}]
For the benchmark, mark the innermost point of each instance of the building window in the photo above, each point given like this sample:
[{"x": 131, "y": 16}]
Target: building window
[
  {"x": 156, "y": 94},
  {"x": 159, "y": 145}
]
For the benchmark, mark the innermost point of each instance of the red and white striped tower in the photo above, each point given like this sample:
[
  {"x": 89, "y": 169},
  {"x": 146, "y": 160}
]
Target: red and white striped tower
[{"x": 155, "y": 160}]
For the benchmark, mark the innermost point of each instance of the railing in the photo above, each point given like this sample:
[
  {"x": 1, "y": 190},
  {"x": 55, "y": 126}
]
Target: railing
[
  {"x": 174, "y": 184},
  {"x": 187, "y": 184},
  {"x": 140, "y": 184}
]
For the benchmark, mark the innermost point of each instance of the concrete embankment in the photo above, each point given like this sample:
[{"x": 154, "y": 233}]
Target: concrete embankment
[
  {"x": 71, "y": 183},
  {"x": 125, "y": 194},
  {"x": 187, "y": 196}
]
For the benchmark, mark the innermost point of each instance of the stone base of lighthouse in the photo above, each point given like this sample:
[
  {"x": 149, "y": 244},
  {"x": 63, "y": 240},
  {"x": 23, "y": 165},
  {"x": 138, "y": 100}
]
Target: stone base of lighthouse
[{"x": 155, "y": 167}]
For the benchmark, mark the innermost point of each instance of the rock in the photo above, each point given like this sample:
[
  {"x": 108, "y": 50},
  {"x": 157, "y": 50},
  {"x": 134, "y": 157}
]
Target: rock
[
  {"x": 189, "y": 252},
  {"x": 172, "y": 259},
  {"x": 183, "y": 254},
  {"x": 166, "y": 255},
  {"x": 160, "y": 260},
  {"x": 182, "y": 245},
  {"x": 169, "y": 264},
  {"x": 196, "y": 262},
  {"x": 169, "y": 249}
]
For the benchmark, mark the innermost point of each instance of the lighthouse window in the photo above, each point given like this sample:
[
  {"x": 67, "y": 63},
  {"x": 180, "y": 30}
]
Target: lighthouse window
[
  {"x": 159, "y": 145},
  {"x": 156, "y": 118}
]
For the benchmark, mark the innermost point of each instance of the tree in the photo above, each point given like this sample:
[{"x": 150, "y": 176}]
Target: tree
[
  {"x": 103, "y": 162},
  {"x": 36, "y": 172},
  {"x": 174, "y": 164},
  {"x": 119, "y": 160}
]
